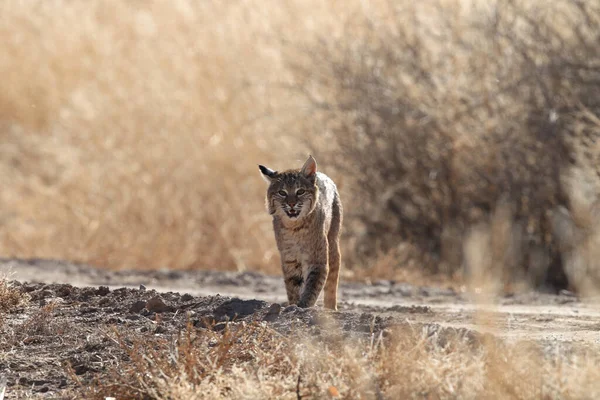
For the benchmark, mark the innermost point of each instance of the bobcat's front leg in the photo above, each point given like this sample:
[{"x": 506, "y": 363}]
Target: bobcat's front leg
[
  {"x": 315, "y": 274},
  {"x": 315, "y": 279},
  {"x": 292, "y": 287},
  {"x": 292, "y": 276}
]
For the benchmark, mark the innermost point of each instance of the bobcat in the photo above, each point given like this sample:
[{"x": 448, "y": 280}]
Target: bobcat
[{"x": 307, "y": 216}]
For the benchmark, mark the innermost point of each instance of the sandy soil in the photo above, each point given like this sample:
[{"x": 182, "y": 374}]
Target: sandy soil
[{"x": 94, "y": 299}]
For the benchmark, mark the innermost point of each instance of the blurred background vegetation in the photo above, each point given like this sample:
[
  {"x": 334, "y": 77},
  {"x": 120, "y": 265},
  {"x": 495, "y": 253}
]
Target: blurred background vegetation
[{"x": 462, "y": 133}]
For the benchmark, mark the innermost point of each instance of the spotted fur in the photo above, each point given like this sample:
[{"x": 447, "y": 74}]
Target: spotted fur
[{"x": 307, "y": 217}]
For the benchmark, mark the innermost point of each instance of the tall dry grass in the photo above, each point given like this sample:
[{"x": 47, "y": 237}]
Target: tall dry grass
[
  {"x": 131, "y": 131},
  {"x": 249, "y": 361}
]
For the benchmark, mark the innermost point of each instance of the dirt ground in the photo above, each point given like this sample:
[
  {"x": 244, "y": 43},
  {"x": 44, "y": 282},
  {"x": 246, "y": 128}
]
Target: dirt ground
[{"x": 61, "y": 336}]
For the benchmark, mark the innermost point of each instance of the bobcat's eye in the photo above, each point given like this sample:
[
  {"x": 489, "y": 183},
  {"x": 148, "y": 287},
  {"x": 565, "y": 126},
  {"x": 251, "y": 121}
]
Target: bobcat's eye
[
  {"x": 282, "y": 193},
  {"x": 300, "y": 192}
]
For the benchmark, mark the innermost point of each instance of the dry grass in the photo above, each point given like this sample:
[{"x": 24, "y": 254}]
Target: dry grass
[
  {"x": 449, "y": 117},
  {"x": 11, "y": 298},
  {"x": 254, "y": 361},
  {"x": 130, "y": 140}
]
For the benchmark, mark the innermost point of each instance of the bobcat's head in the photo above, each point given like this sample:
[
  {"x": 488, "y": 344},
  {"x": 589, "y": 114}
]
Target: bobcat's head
[{"x": 292, "y": 194}]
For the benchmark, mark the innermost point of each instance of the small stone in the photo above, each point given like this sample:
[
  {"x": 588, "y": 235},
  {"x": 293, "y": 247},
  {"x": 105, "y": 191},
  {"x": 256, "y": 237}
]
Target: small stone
[
  {"x": 292, "y": 308},
  {"x": 273, "y": 312},
  {"x": 88, "y": 310},
  {"x": 103, "y": 291},
  {"x": 219, "y": 326},
  {"x": 275, "y": 308},
  {"x": 65, "y": 290},
  {"x": 46, "y": 293},
  {"x": 137, "y": 306},
  {"x": 160, "y": 329},
  {"x": 142, "y": 288},
  {"x": 157, "y": 305}
]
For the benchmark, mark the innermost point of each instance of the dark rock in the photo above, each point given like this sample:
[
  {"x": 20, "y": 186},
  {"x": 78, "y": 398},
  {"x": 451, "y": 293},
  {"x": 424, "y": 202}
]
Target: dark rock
[
  {"x": 238, "y": 308},
  {"x": 157, "y": 305},
  {"x": 137, "y": 306},
  {"x": 102, "y": 291},
  {"x": 273, "y": 313},
  {"x": 64, "y": 290},
  {"x": 220, "y": 326}
]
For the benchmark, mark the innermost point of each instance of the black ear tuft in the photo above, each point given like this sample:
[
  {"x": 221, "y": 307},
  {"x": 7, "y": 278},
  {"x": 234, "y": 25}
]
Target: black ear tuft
[{"x": 267, "y": 173}]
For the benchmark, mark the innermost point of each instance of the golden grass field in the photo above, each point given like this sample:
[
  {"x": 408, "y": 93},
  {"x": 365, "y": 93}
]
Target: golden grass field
[{"x": 130, "y": 133}]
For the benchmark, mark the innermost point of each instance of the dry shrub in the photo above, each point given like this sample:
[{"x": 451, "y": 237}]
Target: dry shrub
[
  {"x": 438, "y": 113},
  {"x": 254, "y": 361},
  {"x": 578, "y": 233},
  {"x": 11, "y": 298}
]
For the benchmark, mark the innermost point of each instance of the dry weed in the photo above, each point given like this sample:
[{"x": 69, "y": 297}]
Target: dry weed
[
  {"x": 246, "y": 361},
  {"x": 254, "y": 361},
  {"x": 11, "y": 298}
]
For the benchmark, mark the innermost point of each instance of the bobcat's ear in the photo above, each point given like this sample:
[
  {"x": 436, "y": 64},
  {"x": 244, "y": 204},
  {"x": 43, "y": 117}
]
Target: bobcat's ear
[
  {"x": 267, "y": 173},
  {"x": 309, "y": 169}
]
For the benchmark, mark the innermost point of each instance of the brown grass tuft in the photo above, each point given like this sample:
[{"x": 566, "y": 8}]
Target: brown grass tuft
[
  {"x": 11, "y": 298},
  {"x": 254, "y": 361}
]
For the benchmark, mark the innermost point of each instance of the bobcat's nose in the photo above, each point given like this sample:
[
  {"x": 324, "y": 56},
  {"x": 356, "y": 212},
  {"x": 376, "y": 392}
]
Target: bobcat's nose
[{"x": 292, "y": 203}]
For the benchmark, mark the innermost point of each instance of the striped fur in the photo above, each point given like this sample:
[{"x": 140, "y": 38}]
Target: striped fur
[{"x": 307, "y": 217}]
